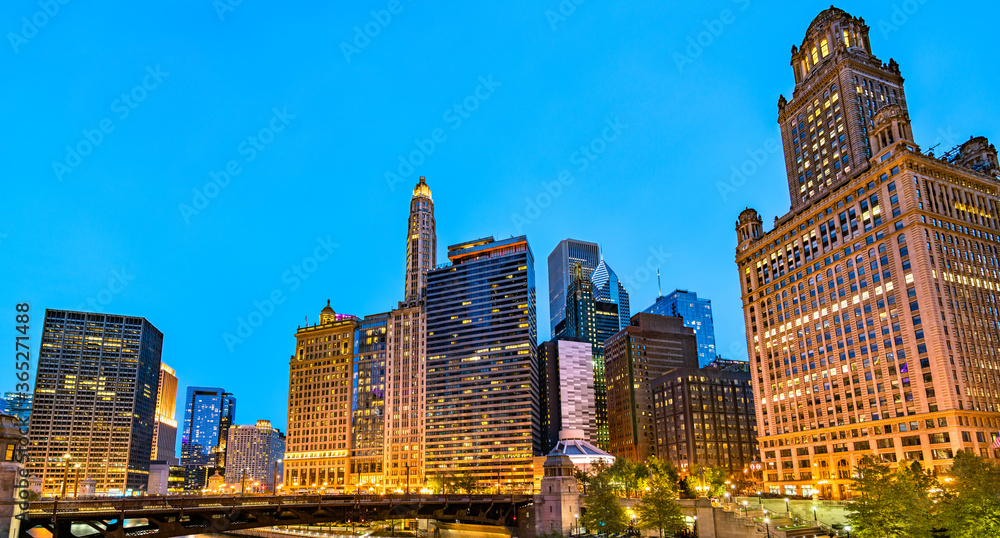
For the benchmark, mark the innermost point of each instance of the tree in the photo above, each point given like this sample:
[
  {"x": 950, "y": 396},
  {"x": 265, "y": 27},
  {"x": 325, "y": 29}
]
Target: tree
[
  {"x": 715, "y": 479},
  {"x": 465, "y": 482},
  {"x": 891, "y": 504},
  {"x": 627, "y": 476},
  {"x": 658, "y": 508},
  {"x": 603, "y": 513},
  {"x": 971, "y": 508}
]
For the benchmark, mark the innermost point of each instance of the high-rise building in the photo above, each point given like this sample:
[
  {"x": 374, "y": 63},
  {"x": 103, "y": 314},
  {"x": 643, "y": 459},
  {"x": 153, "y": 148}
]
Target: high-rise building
[
  {"x": 95, "y": 399},
  {"x": 566, "y": 389},
  {"x": 320, "y": 393},
  {"x": 406, "y": 356},
  {"x": 421, "y": 241},
  {"x": 583, "y": 320},
  {"x": 253, "y": 453},
  {"x": 607, "y": 289},
  {"x": 697, "y": 314},
  {"x": 648, "y": 348},
  {"x": 18, "y": 404},
  {"x": 368, "y": 401},
  {"x": 482, "y": 370},
  {"x": 562, "y": 265},
  {"x": 208, "y": 414},
  {"x": 859, "y": 345},
  {"x": 165, "y": 423},
  {"x": 706, "y": 416}
]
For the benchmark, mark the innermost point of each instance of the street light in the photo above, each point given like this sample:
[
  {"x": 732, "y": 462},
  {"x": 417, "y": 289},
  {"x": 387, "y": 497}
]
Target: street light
[
  {"x": 745, "y": 505},
  {"x": 759, "y": 502},
  {"x": 848, "y": 529},
  {"x": 274, "y": 478},
  {"x": 767, "y": 527},
  {"x": 786, "y": 505},
  {"x": 814, "y": 514},
  {"x": 576, "y": 525}
]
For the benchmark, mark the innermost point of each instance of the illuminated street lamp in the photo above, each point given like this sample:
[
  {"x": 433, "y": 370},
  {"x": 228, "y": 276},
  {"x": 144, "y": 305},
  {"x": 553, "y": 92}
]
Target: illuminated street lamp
[
  {"x": 848, "y": 529},
  {"x": 786, "y": 505},
  {"x": 814, "y": 514},
  {"x": 767, "y": 527},
  {"x": 745, "y": 505}
]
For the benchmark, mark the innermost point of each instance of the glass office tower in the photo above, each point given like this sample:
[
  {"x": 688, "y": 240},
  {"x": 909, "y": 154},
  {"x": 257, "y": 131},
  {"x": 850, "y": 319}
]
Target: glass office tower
[
  {"x": 697, "y": 314},
  {"x": 562, "y": 262},
  {"x": 208, "y": 414}
]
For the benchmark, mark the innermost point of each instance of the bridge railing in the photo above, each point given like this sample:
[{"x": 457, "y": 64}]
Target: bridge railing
[{"x": 187, "y": 502}]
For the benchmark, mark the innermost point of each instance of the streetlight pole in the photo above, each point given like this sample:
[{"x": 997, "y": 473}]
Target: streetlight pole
[
  {"x": 786, "y": 507},
  {"x": 76, "y": 477},
  {"x": 767, "y": 527},
  {"x": 760, "y": 503},
  {"x": 62, "y": 491},
  {"x": 274, "y": 478},
  {"x": 814, "y": 514},
  {"x": 848, "y": 529}
]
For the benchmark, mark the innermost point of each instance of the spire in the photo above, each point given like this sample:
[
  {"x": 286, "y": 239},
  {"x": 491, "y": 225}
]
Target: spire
[{"x": 659, "y": 290}]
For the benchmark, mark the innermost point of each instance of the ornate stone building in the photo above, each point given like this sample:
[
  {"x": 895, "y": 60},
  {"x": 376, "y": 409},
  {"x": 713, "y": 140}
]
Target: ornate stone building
[{"x": 871, "y": 307}]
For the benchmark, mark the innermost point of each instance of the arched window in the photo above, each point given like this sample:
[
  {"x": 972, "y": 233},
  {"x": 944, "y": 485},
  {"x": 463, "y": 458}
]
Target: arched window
[{"x": 901, "y": 239}]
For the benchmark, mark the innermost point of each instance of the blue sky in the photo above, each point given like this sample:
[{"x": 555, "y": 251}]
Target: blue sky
[{"x": 308, "y": 118}]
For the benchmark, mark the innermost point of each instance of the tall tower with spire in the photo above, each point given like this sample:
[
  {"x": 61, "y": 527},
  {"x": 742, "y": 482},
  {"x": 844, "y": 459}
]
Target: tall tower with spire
[{"x": 421, "y": 241}]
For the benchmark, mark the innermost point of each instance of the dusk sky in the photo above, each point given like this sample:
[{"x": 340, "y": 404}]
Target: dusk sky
[{"x": 312, "y": 118}]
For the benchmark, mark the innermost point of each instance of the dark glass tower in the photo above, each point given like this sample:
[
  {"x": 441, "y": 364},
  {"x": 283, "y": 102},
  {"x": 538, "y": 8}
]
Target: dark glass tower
[
  {"x": 607, "y": 289},
  {"x": 368, "y": 405},
  {"x": 95, "y": 399},
  {"x": 562, "y": 262},
  {"x": 208, "y": 414},
  {"x": 482, "y": 375}
]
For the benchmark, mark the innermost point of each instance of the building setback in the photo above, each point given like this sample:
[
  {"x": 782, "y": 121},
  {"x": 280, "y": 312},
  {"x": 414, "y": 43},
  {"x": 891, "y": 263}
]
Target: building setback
[
  {"x": 253, "y": 452},
  {"x": 95, "y": 399},
  {"x": 706, "y": 416},
  {"x": 482, "y": 371},
  {"x": 208, "y": 414},
  {"x": 870, "y": 308},
  {"x": 566, "y": 390},
  {"x": 165, "y": 422},
  {"x": 697, "y": 314},
  {"x": 648, "y": 348},
  {"x": 319, "y": 403}
]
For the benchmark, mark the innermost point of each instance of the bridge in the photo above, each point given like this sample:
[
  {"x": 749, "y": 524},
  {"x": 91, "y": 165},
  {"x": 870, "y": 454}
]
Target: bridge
[{"x": 164, "y": 517}]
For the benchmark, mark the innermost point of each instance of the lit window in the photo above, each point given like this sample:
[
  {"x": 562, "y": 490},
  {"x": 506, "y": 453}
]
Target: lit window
[
  {"x": 825, "y": 46},
  {"x": 815, "y": 56}
]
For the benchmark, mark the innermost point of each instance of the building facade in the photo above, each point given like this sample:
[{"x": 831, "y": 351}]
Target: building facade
[
  {"x": 697, "y": 314},
  {"x": 254, "y": 452},
  {"x": 95, "y": 400},
  {"x": 368, "y": 401},
  {"x": 870, "y": 306},
  {"x": 706, "y": 416},
  {"x": 562, "y": 264},
  {"x": 208, "y": 414},
  {"x": 648, "y": 348},
  {"x": 165, "y": 422},
  {"x": 482, "y": 371},
  {"x": 566, "y": 390},
  {"x": 317, "y": 454},
  {"x": 406, "y": 366},
  {"x": 607, "y": 289}
]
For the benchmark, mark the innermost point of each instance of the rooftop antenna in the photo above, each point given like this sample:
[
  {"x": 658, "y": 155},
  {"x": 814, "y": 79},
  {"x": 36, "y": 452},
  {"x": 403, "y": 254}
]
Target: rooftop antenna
[{"x": 659, "y": 292}]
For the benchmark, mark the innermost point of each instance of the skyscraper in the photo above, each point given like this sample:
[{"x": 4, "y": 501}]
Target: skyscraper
[
  {"x": 482, "y": 370},
  {"x": 95, "y": 399},
  {"x": 208, "y": 414},
  {"x": 252, "y": 452},
  {"x": 697, "y": 314},
  {"x": 421, "y": 241},
  {"x": 648, "y": 348},
  {"x": 870, "y": 307},
  {"x": 562, "y": 264},
  {"x": 320, "y": 389},
  {"x": 165, "y": 423},
  {"x": 406, "y": 356},
  {"x": 607, "y": 289},
  {"x": 566, "y": 391},
  {"x": 368, "y": 400}
]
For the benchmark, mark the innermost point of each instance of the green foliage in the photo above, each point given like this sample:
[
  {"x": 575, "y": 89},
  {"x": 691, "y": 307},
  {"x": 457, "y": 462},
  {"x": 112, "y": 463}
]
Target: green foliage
[
  {"x": 715, "y": 479},
  {"x": 603, "y": 513},
  {"x": 628, "y": 477},
  {"x": 971, "y": 508},
  {"x": 658, "y": 508},
  {"x": 891, "y": 504}
]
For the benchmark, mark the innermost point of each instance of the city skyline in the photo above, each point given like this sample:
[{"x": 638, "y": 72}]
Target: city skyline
[{"x": 118, "y": 275}]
